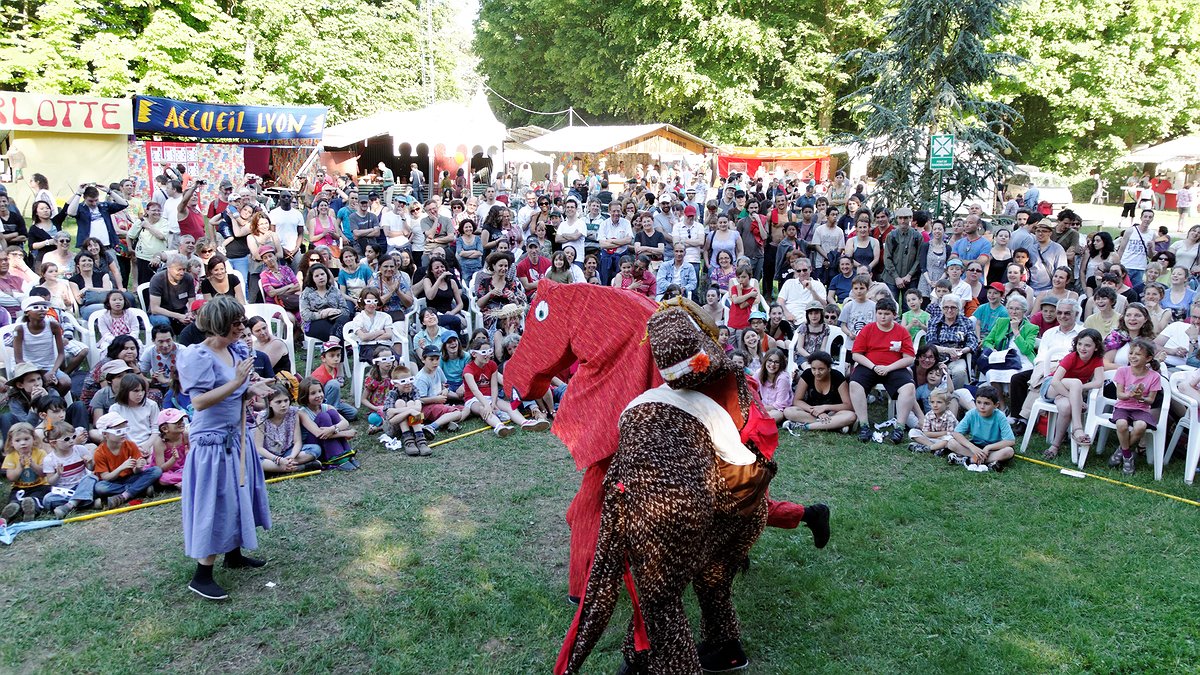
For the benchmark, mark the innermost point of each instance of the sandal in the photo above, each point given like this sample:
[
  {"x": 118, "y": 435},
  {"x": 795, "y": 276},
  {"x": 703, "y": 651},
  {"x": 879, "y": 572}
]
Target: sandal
[
  {"x": 1050, "y": 453},
  {"x": 1082, "y": 443}
]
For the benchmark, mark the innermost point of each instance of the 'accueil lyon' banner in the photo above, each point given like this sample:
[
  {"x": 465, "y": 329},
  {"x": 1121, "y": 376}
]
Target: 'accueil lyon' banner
[{"x": 209, "y": 120}]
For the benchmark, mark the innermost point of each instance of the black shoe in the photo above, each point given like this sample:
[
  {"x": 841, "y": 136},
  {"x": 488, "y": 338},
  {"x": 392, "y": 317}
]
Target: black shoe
[
  {"x": 236, "y": 560},
  {"x": 573, "y": 599},
  {"x": 816, "y": 518},
  {"x": 1019, "y": 426},
  {"x": 209, "y": 590},
  {"x": 723, "y": 658},
  {"x": 864, "y": 433},
  {"x": 896, "y": 436},
  {"x": 311, "y": 466},
  {"x": 628, "y": 668}
]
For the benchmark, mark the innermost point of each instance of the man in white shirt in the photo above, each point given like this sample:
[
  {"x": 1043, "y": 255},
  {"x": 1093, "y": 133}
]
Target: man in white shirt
[
  {"x": 572, "y": 231},
  {"x": 1055, "y": 344},
  {"x": 799, "y": 291},
  {"x": 395, "y": 223},
  {"x": 593, "y": 219},
  {"x": 289, "y": 223},
  {"x": 527, "y": 210},
  {"x": 487, "y": 203},
  {"x": 615, "y": 236},
  {"x": 690, "y": 233}
]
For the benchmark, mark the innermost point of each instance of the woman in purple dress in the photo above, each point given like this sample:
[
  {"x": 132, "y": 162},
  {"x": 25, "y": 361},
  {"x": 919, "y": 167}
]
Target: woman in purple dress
[{"x": 224, "y": 493}]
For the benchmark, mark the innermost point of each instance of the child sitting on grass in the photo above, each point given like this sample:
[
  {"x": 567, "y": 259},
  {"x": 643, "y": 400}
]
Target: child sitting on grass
[
  {"x": 23, "y": 466},
  {"x": 68, "y": 471},
  {"x": 278, "y": 436},
  {"x": 170, "y": 446},
  {"x": 122, "y": 471},
  {"x": 983, "y": 440},
  {"x": 934, "y": 434},
  {"x": 134, "y": 406},
  {"x": 1137, "y": 385},
  {"x": 483, "y": 382},
  {"x": 402, "y": 416},
  {"x": 435, "y": 394},
  {"x": 324, "y": 427}
]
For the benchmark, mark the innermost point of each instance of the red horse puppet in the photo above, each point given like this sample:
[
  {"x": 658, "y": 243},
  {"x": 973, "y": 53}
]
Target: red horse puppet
[{"x": 602, "y": 329}]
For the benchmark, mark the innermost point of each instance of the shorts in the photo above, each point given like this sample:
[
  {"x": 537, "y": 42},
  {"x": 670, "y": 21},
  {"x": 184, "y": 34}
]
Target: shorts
[
  {"x": 892, "y": 382},
  {"x": 433, "y": 411},
  {"x": 1184, "y": 210},
  {"x": 1045, "y": 389},
  {"x": 1135, "y": 415},
  {"x": 1127, "y": 209}
]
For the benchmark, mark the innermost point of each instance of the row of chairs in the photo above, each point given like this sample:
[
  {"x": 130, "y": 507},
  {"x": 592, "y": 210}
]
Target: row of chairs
[{"x": 1098, "y": 423}]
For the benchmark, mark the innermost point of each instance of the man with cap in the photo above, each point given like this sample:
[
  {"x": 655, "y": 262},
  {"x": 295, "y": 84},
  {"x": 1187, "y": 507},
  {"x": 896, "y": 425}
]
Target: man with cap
[
  {"x": 394, "y": 222},
  {"x": 1055, "y": 343},
  {"x": 901, "y": 264},
  {"x": 365, "y": 226},
  {"x": 533, "y": 265},
  {"x": 122, "y": 472},
  {"x": 691, "y": 233},
  {"x": 224, "y": 198},
  {"x": 662, "y": 215},
  {"x": 726, "y": 200},
  {"x": 689, "y": 199},
  {"x": 1046, "y": 256}
]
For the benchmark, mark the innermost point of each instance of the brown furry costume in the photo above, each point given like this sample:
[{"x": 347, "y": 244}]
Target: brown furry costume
[{"x": 675, "y": 512}]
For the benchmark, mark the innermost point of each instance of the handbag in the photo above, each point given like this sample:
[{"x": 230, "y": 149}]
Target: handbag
[{"x": 990, "y": 359}]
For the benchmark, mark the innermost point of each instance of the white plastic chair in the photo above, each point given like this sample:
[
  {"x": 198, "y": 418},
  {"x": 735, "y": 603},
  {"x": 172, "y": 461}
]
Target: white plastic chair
[
  {"x": 279, "y": 324},
  {"x": 143, "y": 296},
  {"x": 6, "y": 351},
  {"x": 1099, "y": 422},
  {"x": 143, "y": 333},
  {"x": 358, "y": 369},
  {"x": 1180, "y": 392},
  {"x": 1041, "y": 405}
]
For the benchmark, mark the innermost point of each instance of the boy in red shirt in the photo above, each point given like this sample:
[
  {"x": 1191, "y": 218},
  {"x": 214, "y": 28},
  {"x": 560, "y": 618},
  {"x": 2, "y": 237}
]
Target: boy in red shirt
[
  {"x": 122, "y": 471},
  {"x": 883, "y": 352},
  {"x": 332, "y": 377}
]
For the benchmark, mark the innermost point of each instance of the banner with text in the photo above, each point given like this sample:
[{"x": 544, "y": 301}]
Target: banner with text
[
  {"x": 209, "y": 120},
  {"x": 65, "y": 113}
]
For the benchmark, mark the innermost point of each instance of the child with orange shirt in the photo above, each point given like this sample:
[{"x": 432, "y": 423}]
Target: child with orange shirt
[
  {"x": 332, "y": 377},
  {"x": 122, "y": 470}
]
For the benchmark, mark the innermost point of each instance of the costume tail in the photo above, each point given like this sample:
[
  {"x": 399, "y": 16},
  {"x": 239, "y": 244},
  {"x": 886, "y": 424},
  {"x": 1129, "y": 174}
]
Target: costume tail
[{"x": 603, "y": 587}]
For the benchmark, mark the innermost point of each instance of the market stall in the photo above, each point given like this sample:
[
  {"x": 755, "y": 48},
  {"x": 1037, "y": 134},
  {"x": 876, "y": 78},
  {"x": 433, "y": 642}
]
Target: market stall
[
  {"x": 749, "y": 160},
  {"x": 619, "y": 149}
]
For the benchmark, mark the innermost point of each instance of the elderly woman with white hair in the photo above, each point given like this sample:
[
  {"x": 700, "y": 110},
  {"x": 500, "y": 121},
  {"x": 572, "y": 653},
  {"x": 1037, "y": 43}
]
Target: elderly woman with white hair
[
  {"x": 1010, "y": 336},
  {"x": 953, "y": 335}
]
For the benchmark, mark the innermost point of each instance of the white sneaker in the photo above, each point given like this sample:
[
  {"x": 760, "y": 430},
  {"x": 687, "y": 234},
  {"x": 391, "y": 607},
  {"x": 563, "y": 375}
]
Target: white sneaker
[
  {"x": 503, "y": 431},
  {"x": 793, "y": 428}
]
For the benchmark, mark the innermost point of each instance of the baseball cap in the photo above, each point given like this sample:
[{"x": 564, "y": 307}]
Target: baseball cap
[
  {"x": 689, "y": 210},
  {"x": 169, "y": 416},
  {"x": 556, "y": 212},
  {"x": 226, "y": 184},
  {"x": 996, "y": 286},
  {"x": 330, "y": 346},
  {"x": 197, "y": 304},
  {"x": 531, "y": 241},
  {"x": 758, "y": 315},
  {"x": 739, "y": 193},
  {"x": 112, "y": 423},
  {"x": 903, "y": 211},
  {"x": 430, "y": 350}
]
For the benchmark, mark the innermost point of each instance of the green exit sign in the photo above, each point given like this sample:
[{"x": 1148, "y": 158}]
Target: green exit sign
[{"x": 941, "y": 152}]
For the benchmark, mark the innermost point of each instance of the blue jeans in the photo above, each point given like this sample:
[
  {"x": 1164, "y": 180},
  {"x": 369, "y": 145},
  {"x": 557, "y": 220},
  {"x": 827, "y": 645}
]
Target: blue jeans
[
  {"x": 83, "y": 494},
  {"x": 1136, "y": 276},
  {"x": 333, "y": 397},
  {"x": 134, "y": 484},
  {"x": 610, "y": 264},
  {"x": 312, "y": 449},
  {"x": 242, "y": 265}
]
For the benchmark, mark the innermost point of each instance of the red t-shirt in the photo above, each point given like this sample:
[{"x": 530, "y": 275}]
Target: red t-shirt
[
  {"x": 105, "y": 461},
  {"x": 527, "y": 271},
  {"x": 876, "y": 345},
  {"x": 483, "y": 377},
  {"x": 1078, "y": 369},
  {"x": 216, "y": 206}
]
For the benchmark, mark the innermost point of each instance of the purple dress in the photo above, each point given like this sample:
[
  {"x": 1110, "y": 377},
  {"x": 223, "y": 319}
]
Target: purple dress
[{"x": 219, "y": 515}]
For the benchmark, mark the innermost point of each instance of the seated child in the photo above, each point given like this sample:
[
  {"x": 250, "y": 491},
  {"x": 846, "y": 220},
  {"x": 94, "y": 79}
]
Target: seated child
[
  {"x": 53, "y": 411},
  {"x": 170, "y": 446},
  {"x": 68, "y": 471},
  {"x": 324, "y": 427},
  {"x": 122, "y": 471},
  {"x": 23, "y": 466},
  {"x": 376, "y": 386},
  {"x": 158, "y": 364},
  {"x": 402, "y": 416},
  {"x": 434, "y": 391},
  {"x": 1137, "y": 385},
  {"x": 140, "y": 413},
  {"x": 278, "y": 438},
  {"x": 934, "y": 434},
  {"x": 331, "y": 376},
  {"x": 983, "y": 440},
  {"x": 483, "y": 381}
]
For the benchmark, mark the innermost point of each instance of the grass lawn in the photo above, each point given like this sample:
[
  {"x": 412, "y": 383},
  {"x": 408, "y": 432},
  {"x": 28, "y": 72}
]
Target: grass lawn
[{"x": 456, "y": 564}]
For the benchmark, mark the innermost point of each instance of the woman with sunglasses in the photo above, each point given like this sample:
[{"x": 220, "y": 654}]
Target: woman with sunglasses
[{"x": 61, "y": 253}]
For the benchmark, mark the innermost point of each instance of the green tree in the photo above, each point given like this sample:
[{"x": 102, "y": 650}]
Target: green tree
[
  {"x": 355, "y": 57},
  {"x": 926, "y": 80},
  {"x": 1100, "y": 76}
]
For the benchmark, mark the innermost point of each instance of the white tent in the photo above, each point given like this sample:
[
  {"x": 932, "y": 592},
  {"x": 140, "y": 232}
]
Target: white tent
[
  {"x": 1177, "y": 153},
  {"x": 447, "y": 124}
]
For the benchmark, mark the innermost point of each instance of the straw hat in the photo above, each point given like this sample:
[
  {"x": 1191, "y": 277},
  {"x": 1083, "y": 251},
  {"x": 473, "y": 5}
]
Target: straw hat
[{"x": 508, "y": 311}]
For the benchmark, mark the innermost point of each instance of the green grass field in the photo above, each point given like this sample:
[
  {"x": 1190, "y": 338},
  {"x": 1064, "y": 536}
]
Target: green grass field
[{"x": 457, "y": 564}]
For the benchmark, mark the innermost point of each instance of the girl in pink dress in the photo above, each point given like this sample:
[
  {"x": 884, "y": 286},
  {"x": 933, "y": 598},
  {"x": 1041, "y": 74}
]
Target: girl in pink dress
[{"x": 171, "y": 446}]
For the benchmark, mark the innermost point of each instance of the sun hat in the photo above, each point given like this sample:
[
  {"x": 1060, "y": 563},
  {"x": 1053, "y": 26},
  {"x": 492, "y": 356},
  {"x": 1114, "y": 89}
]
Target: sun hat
[
  {"x": 508, "y": 311},
  {"x": 954, "y": 262},
  {"x": 33, "y": 301},
  {"x": 24, "y": 369},
  {"x": 758, "y": 315},
  {"x": 114, "y": 367}
]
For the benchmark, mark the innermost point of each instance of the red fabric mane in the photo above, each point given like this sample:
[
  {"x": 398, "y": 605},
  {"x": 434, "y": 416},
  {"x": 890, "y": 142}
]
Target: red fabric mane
[{"x": 602, "y": 328}]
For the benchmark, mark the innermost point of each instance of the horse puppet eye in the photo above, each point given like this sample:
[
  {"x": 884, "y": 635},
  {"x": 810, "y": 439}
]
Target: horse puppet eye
[{"x": 541, "y": 311}]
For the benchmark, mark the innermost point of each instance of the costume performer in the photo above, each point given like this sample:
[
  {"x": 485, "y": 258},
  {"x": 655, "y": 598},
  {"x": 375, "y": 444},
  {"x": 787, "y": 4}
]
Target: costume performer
[{"x": 224, "y": 496}]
